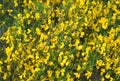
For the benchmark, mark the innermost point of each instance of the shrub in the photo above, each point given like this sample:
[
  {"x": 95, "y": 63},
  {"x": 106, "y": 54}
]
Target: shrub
[{"x": 61, "y": 40}]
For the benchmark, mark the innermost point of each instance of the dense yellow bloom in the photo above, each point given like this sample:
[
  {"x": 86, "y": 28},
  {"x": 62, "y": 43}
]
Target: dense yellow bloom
[{"x": 59, "y": 40}]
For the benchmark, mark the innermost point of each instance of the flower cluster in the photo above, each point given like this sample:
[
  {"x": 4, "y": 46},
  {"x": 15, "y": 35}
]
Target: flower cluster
[{"x": 60, "y": 40}]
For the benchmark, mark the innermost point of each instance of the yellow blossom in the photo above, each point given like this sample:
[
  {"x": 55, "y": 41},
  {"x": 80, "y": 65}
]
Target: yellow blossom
[
  {"x": 10, "y": 11},
  {"x": 78, "y": 67},
  {"x": 19, "y": 30},
  {"x": 104, "y": 22},
  {"x": 107, "y": 76},
  {"x": 5, "y": 76},
  {"x": 102, "y": 71},
  {"x": 62, "y": 72},
  {"x": 0, "y": 69},
  {"x": 77, "y": 75},
  {"x": 57, "y": 73},
  {"x": 37, "y": 69},
  {"x": 82, "y": 34},
  {"x": 62, "y": 45},
  {"x": 38, "y": 31},
  {"x": 49, "y": 72},
  {"x": 27, "y": 15},
  {"x": 0, "y": 6},
  {"x": 1, "y": 62},
  {"x": 80, "y": 47},
  {"x": 8, "y": 67},
  {"x": 100, "y": 37},
  {"x": 99, "y": 63},
  {"x": 88, "y": 74},
  {"x": 37, "y": 16},
  {"x": 15, "y": 4}
]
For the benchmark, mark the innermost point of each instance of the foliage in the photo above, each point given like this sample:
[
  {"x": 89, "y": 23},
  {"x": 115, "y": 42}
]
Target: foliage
[{"x": 60, "y": 40}]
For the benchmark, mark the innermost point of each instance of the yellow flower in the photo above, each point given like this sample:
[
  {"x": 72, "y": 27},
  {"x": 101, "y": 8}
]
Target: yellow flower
[
  {"x": 8, "y": 67},
  {"x": 1, "y": 62},
  {"x": 77, "y": 41},
  {"x": 5, "y": 76},
  {"x": 117, "y": 70},
  {"x": 15, "y": 4},
  {"x": 104, "y": 22},
  {"x": 0, "y": 69},
  {"x": 3, "y": 11},
  {"x": 103, "y": 48},
  {"x": 77, "y": 75},
  {"x": 102, "y": 71},
  {"x": 88, "y": 74},
  {"x": 19, "y": 15},
  {"x": 62, "y": 72},
  {"x": 10, "y": 10},
  {"x": 37, "y": 16},
  {"x": 27, "y": 15},
  {"x": 29, "y": 31},
  {"x": 57, "y": 73},
  {"x": 107, "y": 76},
  {"x": 0, "y": 6},
  {"x": 49, "y": 21},
  {"x": 62, "y": 45},
  {"x": 99, "y": 63},
  {"x": 103, "y": 79},
  {"x": 19, "y": 30},
  {"x": 37, "y": 69},
  {"x": 81, "y": 2},
  {"x": 38, "y": 32},
  {"x": 111, "y": 79},
  {"x": 108, "y": 66},
  {"x": 100, "y": 37},
  {"x": 79, "y": 47},
  {"x": 51, "y": 63},
  {"x": 88, "y": 49},
  {"x": 78, "y": 67},
  {"x": 63, "y": 62},
  {"x": 82, "y": 34},
  {"x": 49, "y": 72},
  {"x": 8, "y": 51},
  {"x": 67, "y": 63}
]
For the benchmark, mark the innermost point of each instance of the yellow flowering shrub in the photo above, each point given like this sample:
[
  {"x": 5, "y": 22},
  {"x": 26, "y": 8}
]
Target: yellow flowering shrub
[{"x": 60, "y": 40}]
